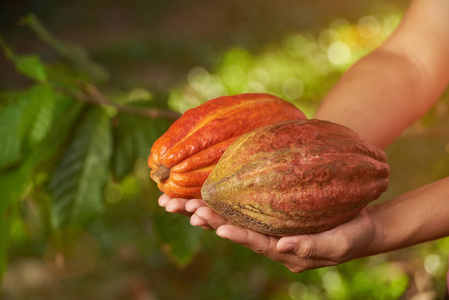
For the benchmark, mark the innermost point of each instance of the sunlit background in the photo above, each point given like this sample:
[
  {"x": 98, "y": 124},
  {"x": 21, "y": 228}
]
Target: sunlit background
[{"x": 177, "y": 54}]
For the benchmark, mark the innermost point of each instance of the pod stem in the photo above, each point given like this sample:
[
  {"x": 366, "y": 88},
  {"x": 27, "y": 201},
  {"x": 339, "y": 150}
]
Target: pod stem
[{"x": 161, "y": 174}]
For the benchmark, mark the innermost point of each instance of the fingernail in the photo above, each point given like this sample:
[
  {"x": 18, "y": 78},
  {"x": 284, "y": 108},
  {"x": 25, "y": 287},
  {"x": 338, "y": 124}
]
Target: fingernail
[
  {"x": 221, "y": 233},
  {"x": 194, "y": 222},
  {"x": 189, "y": 208},
  {"x": 287, "y": 248}
]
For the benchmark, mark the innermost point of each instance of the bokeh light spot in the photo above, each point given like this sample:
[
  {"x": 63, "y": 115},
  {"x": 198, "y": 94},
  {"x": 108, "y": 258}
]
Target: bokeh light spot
[
  {"x": 327, "y": 37},
  {"x": 369, "y": 27},
  {"x": 432, "y": 263},
  {"x": 255, "y": 86},
  {"x": 293, "y": 88},
  {"x": 297, "y": 290},
  {"x": 339, "y": 53},
  {"x": 260, "y": 75},
  {"x": 331, "y": 280}
]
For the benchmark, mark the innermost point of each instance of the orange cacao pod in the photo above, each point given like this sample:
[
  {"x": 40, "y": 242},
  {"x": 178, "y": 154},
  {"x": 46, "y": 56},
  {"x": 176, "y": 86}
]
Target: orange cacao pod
[
  {"x": 183, "y": 157},
  {"x": 296, "y": 177}
]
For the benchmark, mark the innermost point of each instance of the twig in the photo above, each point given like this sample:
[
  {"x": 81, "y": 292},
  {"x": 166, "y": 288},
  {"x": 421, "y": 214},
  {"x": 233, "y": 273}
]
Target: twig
[
  {"x": 95, "y": 96},
  {"x": 76, "y": 55}
]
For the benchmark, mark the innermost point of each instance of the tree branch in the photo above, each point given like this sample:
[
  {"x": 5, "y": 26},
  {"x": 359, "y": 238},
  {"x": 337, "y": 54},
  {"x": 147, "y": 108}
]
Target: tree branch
[{"x": 93, "y": 95}]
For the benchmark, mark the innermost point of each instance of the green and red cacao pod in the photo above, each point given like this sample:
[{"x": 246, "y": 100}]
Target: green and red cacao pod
[
  {"x": 184, "y": 156},
  {"x": 296, "y": 177}
]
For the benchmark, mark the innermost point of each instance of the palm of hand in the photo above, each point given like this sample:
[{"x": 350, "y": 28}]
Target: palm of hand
[{"x": 298, "y": 253}]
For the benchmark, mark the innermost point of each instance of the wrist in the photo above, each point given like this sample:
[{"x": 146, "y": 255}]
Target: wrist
[
  {"x": 415, "y": 217},
  {"x": 375, "y": 227},
  {"x": 358, "y": 237}
]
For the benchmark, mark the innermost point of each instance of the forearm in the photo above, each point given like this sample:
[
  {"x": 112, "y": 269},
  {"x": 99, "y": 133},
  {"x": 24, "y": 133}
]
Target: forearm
[
  {"x": 376, "y": 97},
  {"x": 415, "y": 217},
  {"x": 397, "y": 84}
]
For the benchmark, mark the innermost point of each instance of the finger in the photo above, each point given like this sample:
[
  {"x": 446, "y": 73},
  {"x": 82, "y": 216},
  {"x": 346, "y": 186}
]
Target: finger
[
  {"x": 177, "y": 205},
  {"x": 302, "y": 245},
  {"x": 163, "y": 200},
  {"x": 258, "y": 242},
  {"x": 194, "y": 204},
  {"x": 298, "y": 265},
  {"x": 340, "y": 244},
  {"x": 210, "y": 217},
  {"x": 304, "y": 252},
  {"x": 197, "y": 221},
  {"x": 266, "y": 245},
  {"x": 328, "y": 245}
]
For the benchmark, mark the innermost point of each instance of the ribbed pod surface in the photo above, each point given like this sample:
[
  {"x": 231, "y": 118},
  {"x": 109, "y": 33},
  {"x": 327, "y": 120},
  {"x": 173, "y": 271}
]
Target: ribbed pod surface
[
  {"x": 296, "y": 177},
  {"x": 184, "y": 156}
]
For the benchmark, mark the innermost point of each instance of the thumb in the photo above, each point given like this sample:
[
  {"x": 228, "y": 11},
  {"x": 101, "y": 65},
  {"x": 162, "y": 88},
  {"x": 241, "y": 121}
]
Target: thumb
[
  {"x": 342, "y": 243},
  {"x": 305, "y": 246},
  {"x": 329, "y": 245}
]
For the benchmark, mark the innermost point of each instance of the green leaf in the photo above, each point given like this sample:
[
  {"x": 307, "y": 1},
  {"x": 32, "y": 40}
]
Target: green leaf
[
  {"x": 78, "y": 180},
  {"x": 26, "y": 121},
  {"x": 66, "y": 113},
  {"x": 14, "y": 182},
  {"x": 178, "y": 239},
  {"x": 133, "y": 139},
  {"x": 75, "y": 54},
  {"x": 31, "y": 66},
  {"x": 39, "y": 113},
  {"x": 12, "y": 186},
  {"x": 28, "y": 65},
  {"x": 6, "y": 219},
  {"x": 10, "y": 125}
]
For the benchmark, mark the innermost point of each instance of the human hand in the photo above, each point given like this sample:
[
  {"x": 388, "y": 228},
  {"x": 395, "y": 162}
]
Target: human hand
[
  {"x": 176, "y": 205},
  {"x": 298, "y": 253},
  {"x": 209, "y": 220},
  {"x": 302, "y": 252}
]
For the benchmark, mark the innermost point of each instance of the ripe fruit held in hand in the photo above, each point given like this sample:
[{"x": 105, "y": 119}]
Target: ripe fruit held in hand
[
  {"x": 184, "y": 156},
  {"x": 296, "y": 177}
]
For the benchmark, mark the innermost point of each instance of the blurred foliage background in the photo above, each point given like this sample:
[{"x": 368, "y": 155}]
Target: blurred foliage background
[{"x": 86, "y": 88}]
